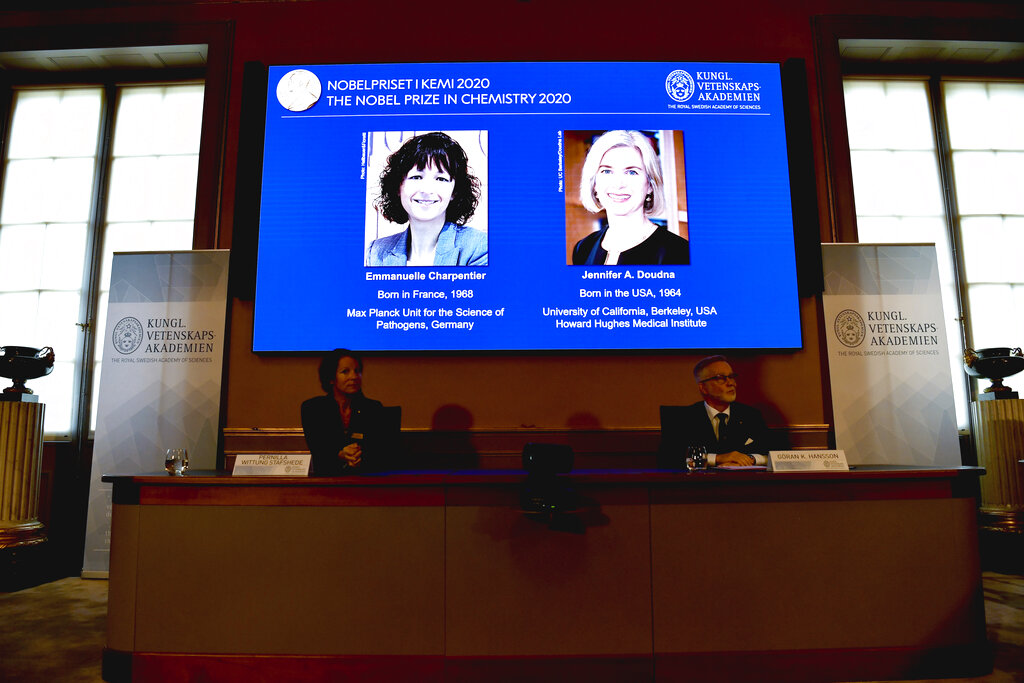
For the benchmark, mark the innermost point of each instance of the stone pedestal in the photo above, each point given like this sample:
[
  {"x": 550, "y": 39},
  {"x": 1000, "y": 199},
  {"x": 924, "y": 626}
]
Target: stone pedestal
[
  {"x": 999, "y": 439},
  {"x": 21, "y": 454}
]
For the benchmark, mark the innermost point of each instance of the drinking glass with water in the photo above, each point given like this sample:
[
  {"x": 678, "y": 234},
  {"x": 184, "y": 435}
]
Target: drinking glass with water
[
  {"x": 176, "y": 461},
  {"x": 696, "y": 458}
]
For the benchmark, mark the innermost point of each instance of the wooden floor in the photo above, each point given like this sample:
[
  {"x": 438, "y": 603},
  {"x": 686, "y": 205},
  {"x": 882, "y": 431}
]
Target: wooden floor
[{"x": 55, "y": 632}]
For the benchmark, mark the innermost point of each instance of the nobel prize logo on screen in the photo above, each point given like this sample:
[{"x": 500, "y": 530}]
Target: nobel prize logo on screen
[
  {"x": 850, "y": 328},
  {"x": 680, "y": 86},
  {"x": 127, "y": 335},
  {"x": 298, "y": 90}
]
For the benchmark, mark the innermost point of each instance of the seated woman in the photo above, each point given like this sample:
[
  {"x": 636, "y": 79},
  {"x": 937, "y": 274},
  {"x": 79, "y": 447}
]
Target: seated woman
[
  {"x": 427, "y": 183},
  {"x": 343, "y": 428},
  {"x": 622, "y": 177}
]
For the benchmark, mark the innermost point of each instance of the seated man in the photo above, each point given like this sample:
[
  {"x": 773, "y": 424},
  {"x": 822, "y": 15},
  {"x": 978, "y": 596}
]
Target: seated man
[{"x": 733, "y": 433}]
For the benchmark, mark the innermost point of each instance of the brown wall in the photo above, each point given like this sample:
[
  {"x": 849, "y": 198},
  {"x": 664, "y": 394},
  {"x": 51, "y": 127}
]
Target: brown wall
[{"x": 513, "y": 392}]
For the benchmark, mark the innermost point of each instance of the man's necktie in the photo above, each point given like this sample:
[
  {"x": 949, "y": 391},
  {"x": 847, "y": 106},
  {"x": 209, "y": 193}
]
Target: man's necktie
[{"x": 723, "y": 421}]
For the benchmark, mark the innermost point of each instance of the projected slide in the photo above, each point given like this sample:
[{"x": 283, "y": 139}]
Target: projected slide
[{"x": 525, "y": 206}]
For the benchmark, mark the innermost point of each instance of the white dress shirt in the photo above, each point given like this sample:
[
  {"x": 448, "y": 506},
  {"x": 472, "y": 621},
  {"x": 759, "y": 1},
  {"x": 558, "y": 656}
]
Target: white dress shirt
[{"x": 713, "y": 416}]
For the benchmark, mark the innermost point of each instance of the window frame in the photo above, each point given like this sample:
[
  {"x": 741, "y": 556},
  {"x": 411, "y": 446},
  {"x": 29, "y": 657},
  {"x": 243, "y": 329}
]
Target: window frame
[
  {"x": 832, "y": 69},
  {"x": 206, "y": 218}
]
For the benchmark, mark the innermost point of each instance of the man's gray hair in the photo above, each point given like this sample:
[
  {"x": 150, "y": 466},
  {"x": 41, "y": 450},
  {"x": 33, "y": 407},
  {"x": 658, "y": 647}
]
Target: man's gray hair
[{"x": 704, "y": 362}]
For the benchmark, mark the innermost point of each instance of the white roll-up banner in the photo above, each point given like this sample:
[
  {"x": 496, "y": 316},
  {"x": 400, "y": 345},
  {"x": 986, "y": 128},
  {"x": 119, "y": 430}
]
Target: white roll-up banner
[
  {"x": 892, "y": 393},
  {"x": 160, "y": 379}
]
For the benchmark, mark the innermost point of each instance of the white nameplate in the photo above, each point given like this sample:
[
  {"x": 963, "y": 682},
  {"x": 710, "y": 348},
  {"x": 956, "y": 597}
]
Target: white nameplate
[
  {"x": 809, "y": 461},
  {"x": 271, "y": 465}
]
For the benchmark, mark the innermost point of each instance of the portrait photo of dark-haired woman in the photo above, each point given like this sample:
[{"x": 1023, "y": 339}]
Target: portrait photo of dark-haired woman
[{"x": 429, "y": 188}]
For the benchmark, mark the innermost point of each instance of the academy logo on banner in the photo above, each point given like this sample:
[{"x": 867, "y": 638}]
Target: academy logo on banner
[
  {"x": 161, "y": 374},
  {"x": 892, "y": 393},
  {"x": 127, "y": 335}
]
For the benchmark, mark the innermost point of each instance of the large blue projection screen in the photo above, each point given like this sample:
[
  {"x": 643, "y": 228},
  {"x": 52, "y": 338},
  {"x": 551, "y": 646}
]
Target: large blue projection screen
[{"x": 493, "y": 247}]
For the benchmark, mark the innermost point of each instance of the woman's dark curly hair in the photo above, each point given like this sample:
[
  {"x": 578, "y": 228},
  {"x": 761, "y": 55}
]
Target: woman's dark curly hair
[
  {"x": 328, "y": 369},
  {"x": 418, "y": 152}
]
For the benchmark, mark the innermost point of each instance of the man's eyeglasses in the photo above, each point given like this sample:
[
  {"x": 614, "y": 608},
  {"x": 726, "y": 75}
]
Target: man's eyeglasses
[{"x": 719, "y": 378}]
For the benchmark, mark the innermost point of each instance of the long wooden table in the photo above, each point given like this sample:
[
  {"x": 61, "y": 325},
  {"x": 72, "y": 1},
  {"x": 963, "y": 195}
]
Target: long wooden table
[{"x": 441, "y": 576}]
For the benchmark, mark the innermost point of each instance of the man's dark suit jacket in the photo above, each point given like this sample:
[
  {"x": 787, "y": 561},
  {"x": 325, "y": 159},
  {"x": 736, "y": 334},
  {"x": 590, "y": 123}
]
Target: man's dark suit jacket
[{"x": 683, "y": 426}]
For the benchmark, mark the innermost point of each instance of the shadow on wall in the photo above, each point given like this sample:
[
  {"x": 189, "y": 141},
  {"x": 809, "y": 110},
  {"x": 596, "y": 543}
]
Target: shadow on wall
[
  {"x": 453, "y": 444},
  {"x": 579, "y": 424}
]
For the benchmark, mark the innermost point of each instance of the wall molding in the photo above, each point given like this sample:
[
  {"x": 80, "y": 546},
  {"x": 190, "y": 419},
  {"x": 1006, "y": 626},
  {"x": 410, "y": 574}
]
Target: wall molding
[{"x": 497, "y": 448}]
